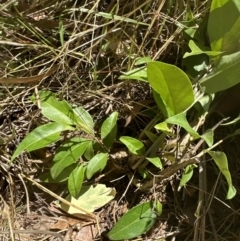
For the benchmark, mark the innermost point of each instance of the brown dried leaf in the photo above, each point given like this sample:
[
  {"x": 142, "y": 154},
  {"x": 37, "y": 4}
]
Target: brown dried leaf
[{"x": 87, "y": 233}]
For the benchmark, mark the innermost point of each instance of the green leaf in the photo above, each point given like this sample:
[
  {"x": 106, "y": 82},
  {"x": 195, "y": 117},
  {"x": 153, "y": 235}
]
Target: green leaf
[
  {"x": 187, "y": 175},
  {"x": 164, "y": 128},
  {"x": 89, "y": 153},
  {"x": 224, "y": 75},
  {"x": 181, "y": 120},
  {"x": 143, "y": 60},
  {"x": 40, "y": 137},
  {"x": 54, "y": 110},
  {"x": 196, "y": 65},
  {"x": 143, "y": 172},
  {"x": 199, "y": 33},
  {"x": 158, "y": 207},
  {"x": 222, "y": 163},
  {"x": 196, "y": 50},
  {"x": 75, "y": 181},
  {"x": 161, "y": 105},
  {"x": 224, "y": 33},
  {"x": 109, "y": 130},
  {"x": 84, "y": 120},
  {"x": 172, "y": 84},
  {"x": 90, "y": 198},
  {"x": 208, "y": 137},
  {"x": 63, "y": 176},
  {"x": 134, "y": 146},
  {"x": 156, "y": 161},
  {"x": 135, "y": 222},
  {"x": 136, "y": 74},
  {"x": 206, "y": 101},
  {"x": 97, "y": 163},
  {"x": 67, "y": 154}
]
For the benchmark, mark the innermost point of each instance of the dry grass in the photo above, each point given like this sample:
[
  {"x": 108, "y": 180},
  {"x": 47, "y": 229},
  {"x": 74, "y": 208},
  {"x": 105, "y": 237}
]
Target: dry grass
[{"x": 90, "y": 44}]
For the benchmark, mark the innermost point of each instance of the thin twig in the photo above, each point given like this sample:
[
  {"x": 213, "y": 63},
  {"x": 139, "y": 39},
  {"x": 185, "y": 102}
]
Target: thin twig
[
  {"x": 27, "y": 196},
  {"x": 130, "y": 182}
]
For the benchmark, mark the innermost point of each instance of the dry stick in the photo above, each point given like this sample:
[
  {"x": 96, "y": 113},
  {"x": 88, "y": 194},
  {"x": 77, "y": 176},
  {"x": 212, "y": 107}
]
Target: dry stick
[
  {"x": 213, "y": 226},
  {"x": 37, "y": 98},
  {"x": 202, "y": 199},
  {"x": 154, "y": 146},
  {"x": 150, "y": 27},
  {"x": 202, "y": 141},
  {"x": 11, "y": 194},
  {"x": 167, "y": 42},
  {"x": 89, "y": 215},
  {"x": 10, "y": 226},
  {"x": 126, "y": 188},
  {"x": 27, "y": 196},
  {"x": 169, "y": 171},
  {"x": 5, "y": 212},
  {"x": 179, "y": 165},
  {"x": 201, "y": 221},
  {"x": 15, "y": 231},
  {"x": 24, "y": 80},
  {"x": 204, "y": 179},
  {"x": 116, "y": 24},
  {"x": 209, "y": 210}
]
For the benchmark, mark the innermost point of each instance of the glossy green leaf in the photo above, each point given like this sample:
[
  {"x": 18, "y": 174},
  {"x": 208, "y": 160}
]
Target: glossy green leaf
[
  {"x": 89, "y": 153},
  {"x": 187, "y": 175},
  {"x": 109, "y": 130},
  {"x": 40, "y": 137},
  {"x": 161, "y": 105},
  {"x": 224, "y": 75},
  {"x": 134, "y": 146},
  {"x": 163, "y": 126},
  {"x": 136, "y": 74},
  {"x": 222, "y": 163},
  {"x": 67, "y": 154},
  {"x": 75, "y": 181},
  {"x": 172, "y": 84},
  {"x": 206, "y": 101},
  {"x": 224, "y": 25},
  {"x": 181, "y": 120},
  {"x": 135, "y": 222},
  {"x": 196, "y": 50},
  {"x": 156, "y": 161},
  {"x": 55, "y": 110},
  {"x": 84, "y": 120},
  {"x": 63, "y": 176},
  {"x": 97, "y": 163}
]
